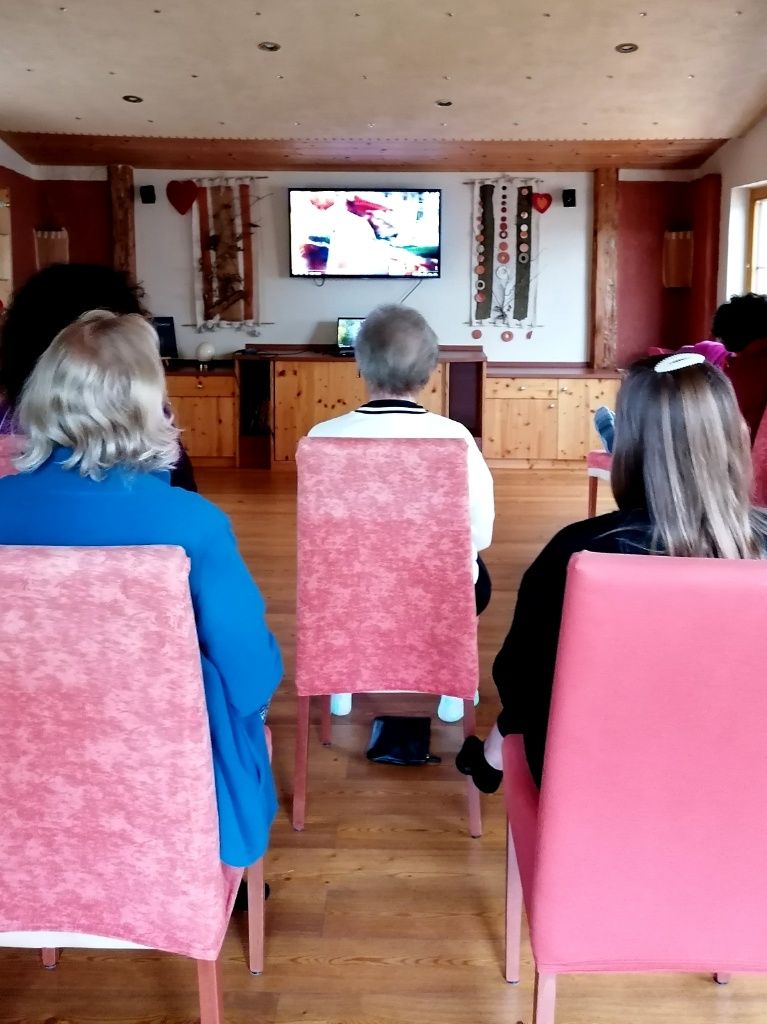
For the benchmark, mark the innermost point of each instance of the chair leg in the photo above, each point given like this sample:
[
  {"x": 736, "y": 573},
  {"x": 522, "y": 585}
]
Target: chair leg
[
  {"x": 593, "y": 489},
  {"x": 50, "y": 958},
  {"x": 211, "y": 993},
  {"x": 545, "y": 998},
  {"x": 256, "y": 917},
  {"x": 302, "y": 764},
  {"x": 722, "y": 979},
  {"x": 513, "y": 911},
  {"x": 472, "y": 793},
  {"x": 326, "y": 735}
]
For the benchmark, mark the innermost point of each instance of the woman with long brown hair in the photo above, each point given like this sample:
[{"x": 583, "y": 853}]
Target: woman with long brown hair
[{"x": 682, "y": 481}]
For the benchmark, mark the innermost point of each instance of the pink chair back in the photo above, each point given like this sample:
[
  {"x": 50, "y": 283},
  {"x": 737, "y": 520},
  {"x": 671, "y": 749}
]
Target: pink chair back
[
  {"x": 759, "y": 459},
  {"x": 107, "y": 802},
  {"x": 385, "y": 591},
  {"x": 10, "y": 446},
  {"x": 652, "y": 838}
]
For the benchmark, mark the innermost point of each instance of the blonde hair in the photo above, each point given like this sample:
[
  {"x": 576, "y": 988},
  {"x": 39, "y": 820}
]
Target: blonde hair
[
  {"x": 99, "y": 390},
  {"x": 682, "y": 452}
]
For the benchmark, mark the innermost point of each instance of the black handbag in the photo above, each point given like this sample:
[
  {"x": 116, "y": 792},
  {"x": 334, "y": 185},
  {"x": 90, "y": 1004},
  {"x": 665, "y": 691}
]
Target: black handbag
[{"x": 401, "y": 739}]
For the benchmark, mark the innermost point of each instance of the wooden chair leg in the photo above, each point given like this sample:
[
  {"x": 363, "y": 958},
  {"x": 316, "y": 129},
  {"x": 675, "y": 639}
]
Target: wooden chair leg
[
  {"x": 256, "y": 917},
  {"x": 50, "y": 958},
  {"x": 722, "y": 979},
  {"x": 545, "y": 998},
  {"x": 211, "y": 994},
  {"x": 302, "y": 764},
  {"x": 593, "y": 489},
  {"x": 513, "y": 911},
  {"x": 472, "y": 793},
  {"x": 326, "y": 735}
]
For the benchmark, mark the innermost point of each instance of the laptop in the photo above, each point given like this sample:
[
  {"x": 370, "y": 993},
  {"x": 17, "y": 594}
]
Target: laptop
[{"x": 348, "y": 329}]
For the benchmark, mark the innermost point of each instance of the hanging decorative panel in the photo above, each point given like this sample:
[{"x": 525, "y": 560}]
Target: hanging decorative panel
[
  {"x": 226, "y": 254},
  {"x": 51, "y": 247},
  {"x": 504, "y": 255}
]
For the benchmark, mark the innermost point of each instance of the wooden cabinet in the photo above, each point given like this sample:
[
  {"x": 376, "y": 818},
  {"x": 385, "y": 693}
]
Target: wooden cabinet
[
  {"x": 305, "y": 393},
  {"x": 543, "y": 420},
  {"x": 206, "y": 409}
]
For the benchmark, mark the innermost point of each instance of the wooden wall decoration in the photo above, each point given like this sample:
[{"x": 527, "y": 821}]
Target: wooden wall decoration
[
  {"x": 123, "y": 229},
  {"x": 51, "y": 246},
  {"x": 604, "y": 270}
]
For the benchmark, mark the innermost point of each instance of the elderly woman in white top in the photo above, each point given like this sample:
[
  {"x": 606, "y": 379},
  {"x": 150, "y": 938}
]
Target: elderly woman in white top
[{"x": 396, "y": 353}]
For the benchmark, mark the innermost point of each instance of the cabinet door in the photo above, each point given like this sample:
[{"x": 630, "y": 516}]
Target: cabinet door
[
  {"x": 208, "y": 426},
  {"x": 578, "y": 400},
  {"x": 434, "y": 395},
  {"x": 520, "y": 428},
  {"x": 305, "y": 393}
]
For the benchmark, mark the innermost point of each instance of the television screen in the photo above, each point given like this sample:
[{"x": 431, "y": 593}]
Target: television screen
[{"x": 364, "y": 233}]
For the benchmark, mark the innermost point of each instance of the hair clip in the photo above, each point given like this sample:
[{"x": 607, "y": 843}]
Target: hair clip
[{"x": 679, "y": 361}]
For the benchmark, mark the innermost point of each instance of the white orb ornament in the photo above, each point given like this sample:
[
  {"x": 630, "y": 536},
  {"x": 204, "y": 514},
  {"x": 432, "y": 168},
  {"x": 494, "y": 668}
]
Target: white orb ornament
[{"x": 205, "y": 351}]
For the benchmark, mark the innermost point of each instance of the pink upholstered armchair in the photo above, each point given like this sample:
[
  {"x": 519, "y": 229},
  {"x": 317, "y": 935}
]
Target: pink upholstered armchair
[
  {"x": 110, "y": 827},
  {"x": 646, "y": 848},
  {"x": 385, "y": 586},
  {"x": 10, "y": 445}
]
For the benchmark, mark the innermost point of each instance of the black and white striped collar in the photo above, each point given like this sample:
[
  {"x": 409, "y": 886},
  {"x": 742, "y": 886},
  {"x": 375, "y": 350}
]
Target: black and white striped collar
[{"x": 380, "y": 406}]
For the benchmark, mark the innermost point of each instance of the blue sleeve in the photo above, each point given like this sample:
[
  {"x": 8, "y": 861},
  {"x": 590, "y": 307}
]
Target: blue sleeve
[{"x": 231, "y": 623}]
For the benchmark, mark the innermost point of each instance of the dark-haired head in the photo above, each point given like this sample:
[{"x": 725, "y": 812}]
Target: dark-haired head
[
  {"x": 740, "y": 321},
  {"x": 48, "y": 302},
  {"x": 682, "y": 452}
]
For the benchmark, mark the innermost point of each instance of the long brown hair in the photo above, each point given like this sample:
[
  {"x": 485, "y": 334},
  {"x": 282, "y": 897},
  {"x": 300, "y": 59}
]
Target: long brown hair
[{"x": 682, "y": 453}]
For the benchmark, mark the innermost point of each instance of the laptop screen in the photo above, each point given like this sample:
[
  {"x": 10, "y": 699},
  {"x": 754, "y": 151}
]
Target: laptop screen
[{"x": 348, "y": 329}]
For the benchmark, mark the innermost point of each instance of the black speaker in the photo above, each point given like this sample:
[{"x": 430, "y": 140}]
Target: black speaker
[
  {"x": 568, "y": 197},
  {"x": 148, "y": 196}
]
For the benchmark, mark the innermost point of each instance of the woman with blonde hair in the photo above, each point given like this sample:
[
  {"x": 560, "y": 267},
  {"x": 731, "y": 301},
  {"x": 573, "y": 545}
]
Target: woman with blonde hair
[
  {"x": 94, "y": 472},
  {"x": 682, "y": 481}
]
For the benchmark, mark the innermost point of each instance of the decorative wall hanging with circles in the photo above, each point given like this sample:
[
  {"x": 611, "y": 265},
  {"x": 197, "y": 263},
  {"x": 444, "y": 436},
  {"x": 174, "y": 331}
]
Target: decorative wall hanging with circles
[{"x": 504, "y": 254}]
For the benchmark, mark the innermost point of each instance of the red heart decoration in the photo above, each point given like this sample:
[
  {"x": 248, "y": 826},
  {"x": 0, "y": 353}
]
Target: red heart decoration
[
  {"x": 541, "y": 201},
  {"x": 182, "y": 194}
]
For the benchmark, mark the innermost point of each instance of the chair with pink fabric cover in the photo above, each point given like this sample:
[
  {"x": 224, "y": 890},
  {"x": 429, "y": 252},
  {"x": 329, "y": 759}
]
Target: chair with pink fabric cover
[
  {"x": 759, "y": 459},
  {"x": 385, "y": 586},
  {"x": 10, "y": 445},
  {"x": 598, "y": 467},
  {"x": 646, "y": 848},
  {"x": 110, "y": 826}
]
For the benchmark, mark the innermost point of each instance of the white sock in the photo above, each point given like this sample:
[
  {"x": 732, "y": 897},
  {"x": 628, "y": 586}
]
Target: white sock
[{"x": 340, "y": 704}]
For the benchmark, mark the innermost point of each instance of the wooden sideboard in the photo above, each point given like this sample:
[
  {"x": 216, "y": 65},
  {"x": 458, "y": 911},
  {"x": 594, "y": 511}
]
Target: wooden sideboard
[
  {"x": 542, "y": 417},
  {"x": 206, "y": 408}
]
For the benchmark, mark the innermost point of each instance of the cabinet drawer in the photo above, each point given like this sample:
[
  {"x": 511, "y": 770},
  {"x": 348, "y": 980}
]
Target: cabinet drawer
[
  {"x": 200, "y": 386},
  {"x": 521, "y": 387}
]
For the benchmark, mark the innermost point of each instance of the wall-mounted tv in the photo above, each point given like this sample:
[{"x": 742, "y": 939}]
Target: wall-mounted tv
[{"x": 365, "y": 232}]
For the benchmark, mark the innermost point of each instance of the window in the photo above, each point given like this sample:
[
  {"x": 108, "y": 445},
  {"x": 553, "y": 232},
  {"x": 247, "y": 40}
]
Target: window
[
  {"x": 756, "y": 258},
  {"x": 6, "y": 283}
]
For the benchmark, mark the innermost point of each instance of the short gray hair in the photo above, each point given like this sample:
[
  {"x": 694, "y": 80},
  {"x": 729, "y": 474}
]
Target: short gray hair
[
  {"x": 396, "y": 350},
  {"x": 99, "y": 389}
]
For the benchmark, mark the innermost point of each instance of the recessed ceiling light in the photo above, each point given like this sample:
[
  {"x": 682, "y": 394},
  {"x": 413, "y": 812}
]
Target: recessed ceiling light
[
  {"x": 133, "y": 99},
  {"x": 691, "y": 76},
  {"x": 78, "y": 118},
  {"x": 448, "y": 14},
  {"x": 643, "y": 14},
  {"x": 269, "y": 47},
  {"x": 194, "y": 76},
  {"x": 626, "y": 48},
  {"x": 297, "y": 124},
  {"x": 546, "y": 14},
  {"x": 446, "y": 78},
  {"x": 444, "y": 103},
  {"x": 443, "y": 124},
  {"x": 30, "y": 69},
  {"x": 149, "y": 120},
  {"x": 222, "y": 122},
  {"x": 585, "y": 124},
  {"x": 529, "y": 78},
  {"x": 112, "y": 72},
  {"x": 371, "y": 124},
  {"x": 611, "y": 76},
  {"x": 280, "y": 77}
]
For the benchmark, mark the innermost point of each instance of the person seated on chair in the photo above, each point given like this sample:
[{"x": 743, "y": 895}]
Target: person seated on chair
[
  {"x": 681, "y": 476},
  {"x": 397, "y": 352},
  {"x": 49, "y": 301},
  {"x": 94, "y": 472},
  {"x": 741, "y": 326}
]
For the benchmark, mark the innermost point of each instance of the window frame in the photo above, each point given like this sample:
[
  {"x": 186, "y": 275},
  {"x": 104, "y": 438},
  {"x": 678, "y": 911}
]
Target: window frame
[{"x": 755, "y": 195}]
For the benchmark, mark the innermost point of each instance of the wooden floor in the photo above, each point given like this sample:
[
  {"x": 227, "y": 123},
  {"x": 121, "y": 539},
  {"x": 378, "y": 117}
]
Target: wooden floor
[{"x": 383, "y": 911}]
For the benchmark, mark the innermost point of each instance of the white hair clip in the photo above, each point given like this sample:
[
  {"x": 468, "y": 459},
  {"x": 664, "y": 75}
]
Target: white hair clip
[{"x": 679, "y": 361}]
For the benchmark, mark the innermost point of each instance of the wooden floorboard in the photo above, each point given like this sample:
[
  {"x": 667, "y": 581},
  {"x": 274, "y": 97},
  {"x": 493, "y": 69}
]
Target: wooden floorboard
[{"x": 383, "y": 911}]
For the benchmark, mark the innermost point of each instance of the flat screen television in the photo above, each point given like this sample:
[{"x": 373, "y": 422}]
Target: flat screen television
[{"x": 365, "y": 232}]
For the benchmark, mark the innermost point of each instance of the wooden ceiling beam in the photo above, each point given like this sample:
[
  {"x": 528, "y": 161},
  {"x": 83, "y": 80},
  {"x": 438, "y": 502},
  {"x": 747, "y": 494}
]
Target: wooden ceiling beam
[{"x": 359, "y": 154}]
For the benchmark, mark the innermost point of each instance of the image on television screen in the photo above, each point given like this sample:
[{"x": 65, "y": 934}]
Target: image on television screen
[{"x": 364, "y": 233}]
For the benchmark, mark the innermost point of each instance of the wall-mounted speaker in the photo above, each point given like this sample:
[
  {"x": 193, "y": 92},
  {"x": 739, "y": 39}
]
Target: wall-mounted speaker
[
  {"x": 568, "y": 197},
  {"x": 147, "y": 194}
]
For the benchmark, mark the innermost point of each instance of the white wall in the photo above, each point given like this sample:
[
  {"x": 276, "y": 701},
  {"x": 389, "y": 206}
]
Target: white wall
[
  {"x": 742, "y": 163},
  {"x": 303, "y": 312}
]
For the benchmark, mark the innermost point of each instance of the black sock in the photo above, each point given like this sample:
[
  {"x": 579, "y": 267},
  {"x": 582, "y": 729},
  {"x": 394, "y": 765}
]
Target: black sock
[{"x": 470, "y": 760}]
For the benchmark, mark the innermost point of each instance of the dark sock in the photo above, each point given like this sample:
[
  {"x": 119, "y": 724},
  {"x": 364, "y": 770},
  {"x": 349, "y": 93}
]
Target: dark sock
[
  {"x": 241, "y": 899},
  {"x": 470, "y": 760}
]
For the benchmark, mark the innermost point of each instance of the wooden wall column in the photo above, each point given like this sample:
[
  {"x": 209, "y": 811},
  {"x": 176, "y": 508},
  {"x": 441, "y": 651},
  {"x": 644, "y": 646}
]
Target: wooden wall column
[
  {"x": 123, "y": 231},
  {"x": 604, "y": 270}
]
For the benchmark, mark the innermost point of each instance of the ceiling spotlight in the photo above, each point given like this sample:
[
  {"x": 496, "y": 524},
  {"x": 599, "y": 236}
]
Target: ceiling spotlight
[
  {"x": 371, "y": 124},
  {"x": 133, "y": 99},
  {"x": 443, "y": 124},
  {"x": 643, "y": 14},
  {"x": 691, "y": 76},
  {"x": 626, "y": 48},
  {"x": 444, "y": 103},
  {"x": 269, "y": 47}
]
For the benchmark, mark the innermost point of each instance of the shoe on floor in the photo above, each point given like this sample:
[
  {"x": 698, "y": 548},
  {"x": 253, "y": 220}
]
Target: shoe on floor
[
  {"x": 450, "y": 709},
  {"x": 470, "y": 760}
]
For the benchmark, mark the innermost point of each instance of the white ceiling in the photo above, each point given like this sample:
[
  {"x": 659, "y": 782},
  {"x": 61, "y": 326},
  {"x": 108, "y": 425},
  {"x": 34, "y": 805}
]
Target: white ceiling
[{"x": 514, "y": 69}]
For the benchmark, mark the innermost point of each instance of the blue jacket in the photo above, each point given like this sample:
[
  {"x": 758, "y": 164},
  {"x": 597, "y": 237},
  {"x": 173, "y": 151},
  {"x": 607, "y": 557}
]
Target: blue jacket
[{"x": 240, "y": 659}]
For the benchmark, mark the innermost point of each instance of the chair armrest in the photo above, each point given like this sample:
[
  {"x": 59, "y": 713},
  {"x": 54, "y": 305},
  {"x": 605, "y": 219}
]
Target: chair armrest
[{"x": 522, "y": 796}]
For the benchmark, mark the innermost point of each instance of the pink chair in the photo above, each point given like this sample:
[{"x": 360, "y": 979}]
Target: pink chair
[
  {"x": 385, "y": 592},
  {"x": 10, "y": 445},
  {"x": 647, "y": 846},
  {"x": 759, "y": 459},
  {"x": 110, "y": 827},
  {"x": 598, "y": 467}
]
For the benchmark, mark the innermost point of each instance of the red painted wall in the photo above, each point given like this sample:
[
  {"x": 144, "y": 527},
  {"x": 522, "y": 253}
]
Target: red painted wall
[{"x": 82, "y": 207}]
